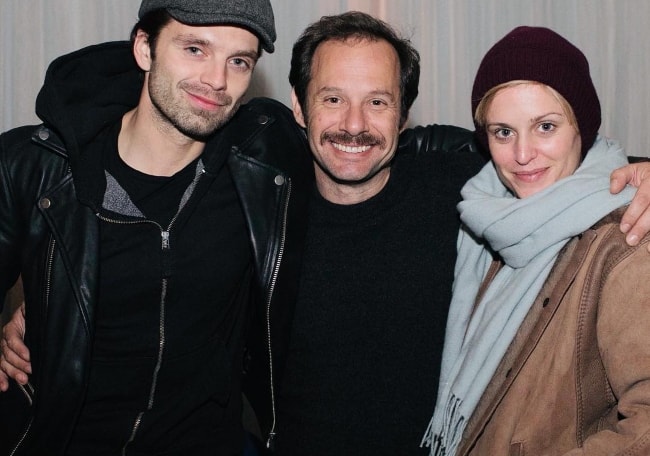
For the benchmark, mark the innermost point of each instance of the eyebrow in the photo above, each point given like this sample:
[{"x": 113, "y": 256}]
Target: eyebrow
[
  {"x": 532, "y": 121},
  {"x": 552, "y": 113},
  {"x": 190, "y": 39},
  {"x": 327, "y": 89},
  {"x": 193, "y": 40}
]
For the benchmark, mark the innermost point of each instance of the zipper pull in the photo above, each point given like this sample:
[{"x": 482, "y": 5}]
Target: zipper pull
[
  {"x": 270, "y": 443},
  {"x": 165, "y": 239},
  {"x": 166, "y": 255}
]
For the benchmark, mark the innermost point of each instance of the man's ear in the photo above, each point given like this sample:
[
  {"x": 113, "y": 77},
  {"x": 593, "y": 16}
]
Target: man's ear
[
  {"x": 297, "y": 109},
  {"x": 142, "y": 50}
]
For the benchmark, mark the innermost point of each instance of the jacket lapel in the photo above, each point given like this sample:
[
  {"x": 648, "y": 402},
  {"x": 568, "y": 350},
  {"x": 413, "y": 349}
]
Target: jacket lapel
[{"x": 528, "y": 336}]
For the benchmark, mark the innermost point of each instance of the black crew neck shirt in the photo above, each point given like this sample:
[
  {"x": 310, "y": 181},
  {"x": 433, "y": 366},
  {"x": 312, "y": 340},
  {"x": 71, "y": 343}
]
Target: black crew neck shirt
[
  {"x": 185, "y": 307},
  {"x": 368, "y": 331}
]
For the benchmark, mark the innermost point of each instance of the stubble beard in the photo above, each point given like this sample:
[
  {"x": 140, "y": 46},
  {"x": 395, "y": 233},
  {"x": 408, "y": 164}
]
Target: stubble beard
[{"x": 197, "y": 124}]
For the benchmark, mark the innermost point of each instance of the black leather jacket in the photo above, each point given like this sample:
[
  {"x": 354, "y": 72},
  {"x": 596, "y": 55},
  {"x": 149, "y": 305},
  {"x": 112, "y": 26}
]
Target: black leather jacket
[
  {"x": 50, "y": 186},
  {"x": 51, "y": 182}
]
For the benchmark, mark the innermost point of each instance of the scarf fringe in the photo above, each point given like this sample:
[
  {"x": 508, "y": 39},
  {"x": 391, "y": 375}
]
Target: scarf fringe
[{"x": 446, "y": 441}]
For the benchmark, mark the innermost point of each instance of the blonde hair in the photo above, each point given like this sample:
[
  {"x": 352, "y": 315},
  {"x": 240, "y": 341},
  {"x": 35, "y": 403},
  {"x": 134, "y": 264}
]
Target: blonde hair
[{"x": 480, "y": 115}]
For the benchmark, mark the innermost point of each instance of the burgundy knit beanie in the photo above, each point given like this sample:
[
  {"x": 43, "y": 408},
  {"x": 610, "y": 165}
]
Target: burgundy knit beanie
[{"x": 541, "y": 55}]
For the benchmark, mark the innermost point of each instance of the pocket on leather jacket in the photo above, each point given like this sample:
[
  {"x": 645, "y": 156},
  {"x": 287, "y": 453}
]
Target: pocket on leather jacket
[{"x": 15, "y": 415}]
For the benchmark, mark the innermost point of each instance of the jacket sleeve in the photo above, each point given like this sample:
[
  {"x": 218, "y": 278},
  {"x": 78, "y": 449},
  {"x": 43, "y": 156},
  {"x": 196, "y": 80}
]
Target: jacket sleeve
[
  {"x": 623, "y": 333},
  {"x": 10, "y": 231},
  {"x": 456, "y": 151},
  {"x": 440, "y": 138}
]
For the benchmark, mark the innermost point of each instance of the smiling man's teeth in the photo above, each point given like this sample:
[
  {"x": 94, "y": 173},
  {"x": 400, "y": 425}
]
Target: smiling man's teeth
[{"x": 351, "y": 149}]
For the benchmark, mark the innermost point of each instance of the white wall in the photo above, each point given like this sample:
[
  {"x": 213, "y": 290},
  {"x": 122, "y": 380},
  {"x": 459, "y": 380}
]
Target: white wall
[{"x": 451, "y": 35}]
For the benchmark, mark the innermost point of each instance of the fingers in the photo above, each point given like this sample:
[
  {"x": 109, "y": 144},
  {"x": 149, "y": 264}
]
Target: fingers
[
  {"x": 4, "y": 382},
  {"x": 14, "y": 335},
  {"x": 636, "y": 219},
  {"x": 13, "y": 365},
  {"x": 12, "y": 344},
  {"x": 14, "y": 354},
  {"x": 619, "y": 178}
]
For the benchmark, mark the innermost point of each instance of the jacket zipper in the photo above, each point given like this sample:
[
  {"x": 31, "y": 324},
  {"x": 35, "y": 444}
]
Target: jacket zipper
[
  {"x": 270, "y": 443},
  {"x": 48, "y": 286},
  {"x": 166, "y": 247},
  {"x": 48, "y": 277},
  {"x": 154, "y": 380},
  {"x": 22, "y": 439},
  {"x": 28, "y": 394}
]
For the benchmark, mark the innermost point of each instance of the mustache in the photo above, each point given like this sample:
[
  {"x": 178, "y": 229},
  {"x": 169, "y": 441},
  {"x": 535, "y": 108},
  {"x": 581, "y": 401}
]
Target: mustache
[
  {"x": 362, "y": 139},
  {"x": 219, "y": 97}
]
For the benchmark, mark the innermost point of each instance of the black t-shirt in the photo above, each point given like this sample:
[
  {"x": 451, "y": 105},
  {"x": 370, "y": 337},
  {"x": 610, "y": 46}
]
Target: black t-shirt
[
  {"x": 183, "y": 304},
  {"x": 365, "y": 350}
]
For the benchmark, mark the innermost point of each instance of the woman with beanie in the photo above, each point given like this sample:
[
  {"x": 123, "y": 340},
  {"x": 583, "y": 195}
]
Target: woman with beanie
[{"x": 547, "y": 349}]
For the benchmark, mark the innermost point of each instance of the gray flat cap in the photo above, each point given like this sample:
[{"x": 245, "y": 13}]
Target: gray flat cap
[{"x": 256, "y": 15}]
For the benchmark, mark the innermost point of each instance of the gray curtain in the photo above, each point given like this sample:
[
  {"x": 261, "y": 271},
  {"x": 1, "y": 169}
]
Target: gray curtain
[{"x": 451, "y": 35}]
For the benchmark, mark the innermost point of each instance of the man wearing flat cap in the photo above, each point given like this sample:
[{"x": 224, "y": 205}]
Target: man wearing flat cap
[
  {"x": 148, "y": 222},
  {"x": 149, "y": 216}
]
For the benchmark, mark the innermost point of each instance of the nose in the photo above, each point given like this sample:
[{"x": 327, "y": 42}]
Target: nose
[
  {"x": 525, "y": 150},
  {"x": 354, "y": 121},
  {"x": 215, "y": 74}
]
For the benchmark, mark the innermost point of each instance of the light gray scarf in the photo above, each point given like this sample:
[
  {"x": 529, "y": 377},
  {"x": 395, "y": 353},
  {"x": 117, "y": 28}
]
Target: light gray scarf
[{"x": 528, "y": 234}]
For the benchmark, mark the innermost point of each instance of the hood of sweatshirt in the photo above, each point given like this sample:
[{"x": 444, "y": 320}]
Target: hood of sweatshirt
[
  {"x": 83, "y": 93},
  {"x": 88, "y": 89}
]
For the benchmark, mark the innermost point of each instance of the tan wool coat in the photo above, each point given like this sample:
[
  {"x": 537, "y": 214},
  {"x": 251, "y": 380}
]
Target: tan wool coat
[{"x": 576, "y": 378}]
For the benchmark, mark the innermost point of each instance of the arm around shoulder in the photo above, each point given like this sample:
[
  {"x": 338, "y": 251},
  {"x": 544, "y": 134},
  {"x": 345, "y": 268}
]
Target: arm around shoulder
[{"x": 636, "y": 220}]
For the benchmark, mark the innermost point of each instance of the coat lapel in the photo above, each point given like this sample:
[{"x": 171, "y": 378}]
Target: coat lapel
[{"x": 528, "y": 336}]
